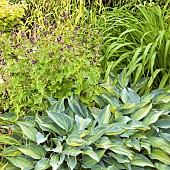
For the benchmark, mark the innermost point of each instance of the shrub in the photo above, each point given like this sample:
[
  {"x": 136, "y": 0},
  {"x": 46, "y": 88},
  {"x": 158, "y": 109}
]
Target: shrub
[
  {"x": 11, "y": 14},
  {"x": 138, "y": 41},
  {"x": 51, "y": 61},
  {"x": 126, "y": 132}
]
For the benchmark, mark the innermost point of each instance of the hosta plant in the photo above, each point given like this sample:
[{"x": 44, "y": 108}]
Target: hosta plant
[{"x": 122, "y": 131}]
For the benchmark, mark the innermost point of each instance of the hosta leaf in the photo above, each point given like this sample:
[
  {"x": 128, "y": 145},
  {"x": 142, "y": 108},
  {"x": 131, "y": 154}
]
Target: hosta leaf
[
  {"x": 160, "y": 156},
  {"x": 136, "y": 144},
  {"x": 162, "y": 97},
  {"x": 165, "y": 136},
  {"x": 71, "y": 161},
  {"x": 111, "y": 100},
  {"x": 42, "y": 164},
  {"x": 152, "y": 117},
  {"x": 104, "y": 115},
  {"x": 103, "y": 142},
  {"x": 8, "y": 140},
  {"x": 82, "y": 123},
  {"x": 58, "y": 106},
  {"x": 146, "y": 145},
  {"x": 121, "y": 149},
  {"x": 75, "y": 140},
  {"x": 110, "y": 168},
  {"x": 62, "y": 120},
  {"x": 160, "y": 166},
  {"x": 140, "y": 160},
  {"x": 134, "y": 97},
  {"x": 21, "y": 162},
  {"x": 29, "y": 131},
  {"x": 138, "y": 125},
  {"x": 89, "y": 151},
  {"x": 72, "y": 151},
  {"x": 96, "y": 133},
  {"x": 46, "y": 124},
  {"x": 52, "y": 100},
  {"x": 120, "y": 158},
  {"x": 142, "y": 112},
  {"x": 125, "y": 96},
  {"x": 114, "y": 130},
  {"x": 40, "y": 138},
  {"x": 56, "y": 161},
  {"x": 163, "y": 123},
  {"x": 33, "y": 150},
  {"x": 59, "y": 147},
  {"x": 160, "y": 143},
  {"x": 10, "y": 151}
]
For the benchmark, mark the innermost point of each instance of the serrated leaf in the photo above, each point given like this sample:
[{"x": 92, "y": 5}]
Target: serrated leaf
[
  {"x": 140, "y": 160},
  {"x": 142, "y": 112},
  {"x": 82, "y": 123},
  {"x": 29, "y": 131},
  {"x": 62, "y": 120},
  {"x": 104, "y": 115},
  {"x": 42, "y": 164},
  {"x": 152, "y": 117},
  {"x": 33, "y": 150},
  {"x": 21, "y": 162},
  {"x": 71, "y": 162},
  {"x": 160, "y": 156}
]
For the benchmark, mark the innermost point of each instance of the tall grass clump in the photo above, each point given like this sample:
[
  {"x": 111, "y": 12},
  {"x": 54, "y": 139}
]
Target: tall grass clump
[{"x": 137, "y": 40}]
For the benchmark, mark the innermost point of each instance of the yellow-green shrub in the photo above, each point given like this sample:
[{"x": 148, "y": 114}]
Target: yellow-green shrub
[{"x": 10, "y": 14}]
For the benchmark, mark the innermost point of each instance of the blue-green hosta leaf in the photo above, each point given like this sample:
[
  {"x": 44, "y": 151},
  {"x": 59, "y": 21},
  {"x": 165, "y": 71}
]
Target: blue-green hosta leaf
[
  {"x": 52, "y": 100},
  {"x": 58, "y": 106},
  {"x": 162, "y": 97},
  {"x": 146, "y": 145},
  {"x": 138, "y": 125},
  {"x": 165, "y": 136},
  {"x": 142, "y": 112},
  {"x": 163, "y": 123},
  {"x": 56, "y": 161},
  {"x": 160, "y": 166},
  {"x": 121, "y": 149},
  {"x": 28, "y": 130},
  {"x": 96, "y": 133},
  {"x": 88, "y": 162},
  {"x": 160, "y": 156},
  {"x": 120, "y": 158},
  {"x": 71, "y": 161},
  {"x": 75, "y": 140},
  {"x": 152, "y": 117},
  {"x": 104, "y": 115},
  {"x": 103, "y": 142},
  {"x": 42, "y": 164},
  {"x": 116, "y": 130},
  {"x": 82, "y": 123},
  {"x": 134, "y": 97},
  {"x": 62, "y": 120},
  {"x": 160, "y": 143},
  {"x": 89, "y": 151},
  {"x": 40, "y": 138},
  {"x": 78, "y": 108},
  {"x": 59, "y": 147},
  {"x": 111, "y": 168},
  {"x": 21, "y": 162},
  {"x": 10, "y": 151},
  {"x": 46, "y": 124},
  {"x": 147, "y": 98},
  {"x": 136, "y": 144},
  {"x": 140, "y": 160},
  {"x": 125, "y": 96},
  {"x": 72, "y": 151},
  {"x": 33, "y": 150},
  {"x": 111, "y": 100}
]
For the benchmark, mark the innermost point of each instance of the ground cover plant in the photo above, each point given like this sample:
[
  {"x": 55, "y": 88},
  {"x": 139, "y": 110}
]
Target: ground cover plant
[
  {"x": 125, "y": 131},
  {"x": 53, "y": 61}
]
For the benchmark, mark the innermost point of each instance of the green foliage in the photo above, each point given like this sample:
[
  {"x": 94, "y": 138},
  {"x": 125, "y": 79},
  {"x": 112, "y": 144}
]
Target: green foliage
[
  {"x": 125, "y": 131},
  {"x": 137, "y": 41},
  {"x": 11, "y": 14},
  {"x": 52, "y": 61}
]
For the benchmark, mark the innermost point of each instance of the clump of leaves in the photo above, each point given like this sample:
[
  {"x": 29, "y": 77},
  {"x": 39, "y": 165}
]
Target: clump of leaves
[
  {"x": 125, "y": 132},
  {"x": 11, "y": 14},
  {"x": 138, "y": 41},
  {"x": 47, "y": 61}
]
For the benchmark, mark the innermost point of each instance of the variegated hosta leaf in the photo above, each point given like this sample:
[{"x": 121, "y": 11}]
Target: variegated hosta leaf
[
  {"x": 82, "y": 123},
  {"x": 75, "y": 140},
  {"x": 42, "y": 164}
]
